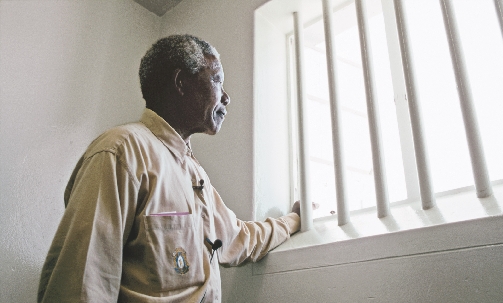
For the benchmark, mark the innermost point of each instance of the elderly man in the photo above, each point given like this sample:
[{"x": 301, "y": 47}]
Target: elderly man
[{"x": 142, "y": 221}]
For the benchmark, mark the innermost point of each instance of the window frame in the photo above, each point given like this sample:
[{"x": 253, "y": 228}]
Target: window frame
[{"x": 439, "y": 221}]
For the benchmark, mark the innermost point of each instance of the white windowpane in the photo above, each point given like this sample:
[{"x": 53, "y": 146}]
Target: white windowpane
[
  {"x": 438, "y": 98},
  {"x": 443, "y": 124},
  {"x": 387, "y": 113},
  {"x": 351, "y": 92},
  {"x": 322, "y": 186},
  {"x": 483, "y": 48}
]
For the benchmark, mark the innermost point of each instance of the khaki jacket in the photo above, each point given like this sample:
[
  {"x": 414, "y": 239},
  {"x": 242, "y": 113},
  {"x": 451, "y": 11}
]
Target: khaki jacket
[{"x": 137, "y": 220}]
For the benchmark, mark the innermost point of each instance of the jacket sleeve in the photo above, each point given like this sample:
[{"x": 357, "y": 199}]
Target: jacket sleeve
[
  {"x": 85, "y": 259},
  {"x": 246, "y": 240}
]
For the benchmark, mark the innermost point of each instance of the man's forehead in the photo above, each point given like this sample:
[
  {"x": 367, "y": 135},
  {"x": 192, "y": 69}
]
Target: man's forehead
[
  {"x": 213, "y": 67},
  {"x": 214, "y": 63}
]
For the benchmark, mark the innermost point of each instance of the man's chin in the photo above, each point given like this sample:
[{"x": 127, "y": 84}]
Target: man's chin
[{"x": 214, "y": 130}]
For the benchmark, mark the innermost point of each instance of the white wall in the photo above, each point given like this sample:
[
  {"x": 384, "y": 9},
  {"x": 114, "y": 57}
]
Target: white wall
[
  {"x": 68, "y": 71},
  {"x": 273, "y": 193},
  {"x": 460, "y": 276}
]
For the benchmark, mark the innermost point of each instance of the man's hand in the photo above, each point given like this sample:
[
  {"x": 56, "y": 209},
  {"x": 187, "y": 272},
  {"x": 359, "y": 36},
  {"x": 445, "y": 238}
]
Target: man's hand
[{"x": 296, "y": 207}]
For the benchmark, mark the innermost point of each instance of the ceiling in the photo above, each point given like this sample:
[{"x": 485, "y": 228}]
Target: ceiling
[{"x": 158, "y": 7}]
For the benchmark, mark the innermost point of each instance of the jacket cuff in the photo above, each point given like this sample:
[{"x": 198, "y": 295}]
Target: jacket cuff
[{"x": 293, "y": 222}]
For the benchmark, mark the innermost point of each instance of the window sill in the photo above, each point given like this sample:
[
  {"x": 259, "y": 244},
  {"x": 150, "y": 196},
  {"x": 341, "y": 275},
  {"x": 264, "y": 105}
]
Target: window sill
[{"x": 459, "y": 221}]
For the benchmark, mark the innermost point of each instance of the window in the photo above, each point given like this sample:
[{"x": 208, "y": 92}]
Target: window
[
  {"x": 355, "y": 129},
  {"x": 459, "y": 220},
  {"x": 443, "y": 127}
]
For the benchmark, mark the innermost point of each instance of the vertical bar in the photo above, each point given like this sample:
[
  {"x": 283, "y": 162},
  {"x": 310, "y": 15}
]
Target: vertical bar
[
  {"x": 479, "y": 167},
  {"x": 400, "y": 98},
  {"x": 340, "y": 181},
  {"x": 423, "y": 170},
  {"x": 292, "y": 135},
  {"x": 372, "y": 112},
  {"x": 306, "y": 218},
  {"x": 499, "y": 11}
]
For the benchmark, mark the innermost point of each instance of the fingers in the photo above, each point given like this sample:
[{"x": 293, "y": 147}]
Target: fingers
[{"x": 296, "y": 207}]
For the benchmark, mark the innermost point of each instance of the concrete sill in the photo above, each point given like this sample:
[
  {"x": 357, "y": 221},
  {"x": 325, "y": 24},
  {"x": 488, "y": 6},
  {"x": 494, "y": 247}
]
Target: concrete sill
[{"x": 459, "y": 221}]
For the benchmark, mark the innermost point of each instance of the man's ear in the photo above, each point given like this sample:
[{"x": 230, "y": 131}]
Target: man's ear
[{"x": 179, "y": 81}]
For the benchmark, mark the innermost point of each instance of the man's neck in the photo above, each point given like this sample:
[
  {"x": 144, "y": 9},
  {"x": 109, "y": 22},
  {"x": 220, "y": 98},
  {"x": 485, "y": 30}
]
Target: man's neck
[{"x": 174, "y": 121}]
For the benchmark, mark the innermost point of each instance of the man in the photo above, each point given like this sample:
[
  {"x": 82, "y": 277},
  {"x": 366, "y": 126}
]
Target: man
[{"x": 142, "y": 220}]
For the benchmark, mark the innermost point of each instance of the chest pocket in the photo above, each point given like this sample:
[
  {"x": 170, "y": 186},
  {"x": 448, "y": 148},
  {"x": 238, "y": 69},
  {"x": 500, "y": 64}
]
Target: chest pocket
[{"x": 176, "y": 252}]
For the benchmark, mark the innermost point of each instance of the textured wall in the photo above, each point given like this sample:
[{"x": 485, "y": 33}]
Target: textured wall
[
  {"x": 68, "y": 71},
  {"x": 272, "y": 189},
  {"x": 468, "y": 275}
]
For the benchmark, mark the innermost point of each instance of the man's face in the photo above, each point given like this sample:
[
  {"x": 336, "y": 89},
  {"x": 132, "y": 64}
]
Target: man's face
[{"x": 207, "y": 99}]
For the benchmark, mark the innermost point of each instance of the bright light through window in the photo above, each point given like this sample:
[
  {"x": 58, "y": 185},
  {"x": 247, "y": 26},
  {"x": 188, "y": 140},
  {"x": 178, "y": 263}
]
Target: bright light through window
[
  {"x": 356, "y": 139},
  {"x": 447, "y": 148},
  {"x": 481, "y": 42}
]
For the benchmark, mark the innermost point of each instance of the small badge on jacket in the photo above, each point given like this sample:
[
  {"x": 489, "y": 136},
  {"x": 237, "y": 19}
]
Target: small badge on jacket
[{"x": 180, "y": 261}]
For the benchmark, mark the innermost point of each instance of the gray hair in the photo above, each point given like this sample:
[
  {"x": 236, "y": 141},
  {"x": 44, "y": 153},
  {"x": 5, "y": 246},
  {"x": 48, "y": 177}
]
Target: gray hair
[{"x": 167, "y": 54}]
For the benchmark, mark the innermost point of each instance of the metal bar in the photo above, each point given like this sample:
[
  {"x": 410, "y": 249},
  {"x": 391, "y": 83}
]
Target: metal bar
[
  {"x": 425, "y": 185},
  {"x": 499, "y": 11},
  {"x": 372, "y": 112},
  {"x": 479, "y": 167},
  {"x": 340, "y": 181},
  {"x": 306, "y": 218},
  {"x": 292, "y": 113}
]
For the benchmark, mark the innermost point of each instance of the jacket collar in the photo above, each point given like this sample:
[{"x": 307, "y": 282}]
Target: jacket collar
[{"x": 166, "y": 134}]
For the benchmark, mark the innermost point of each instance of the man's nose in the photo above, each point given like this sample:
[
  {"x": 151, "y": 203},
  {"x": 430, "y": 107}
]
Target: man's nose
[{"x": 225, "y": 98}]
